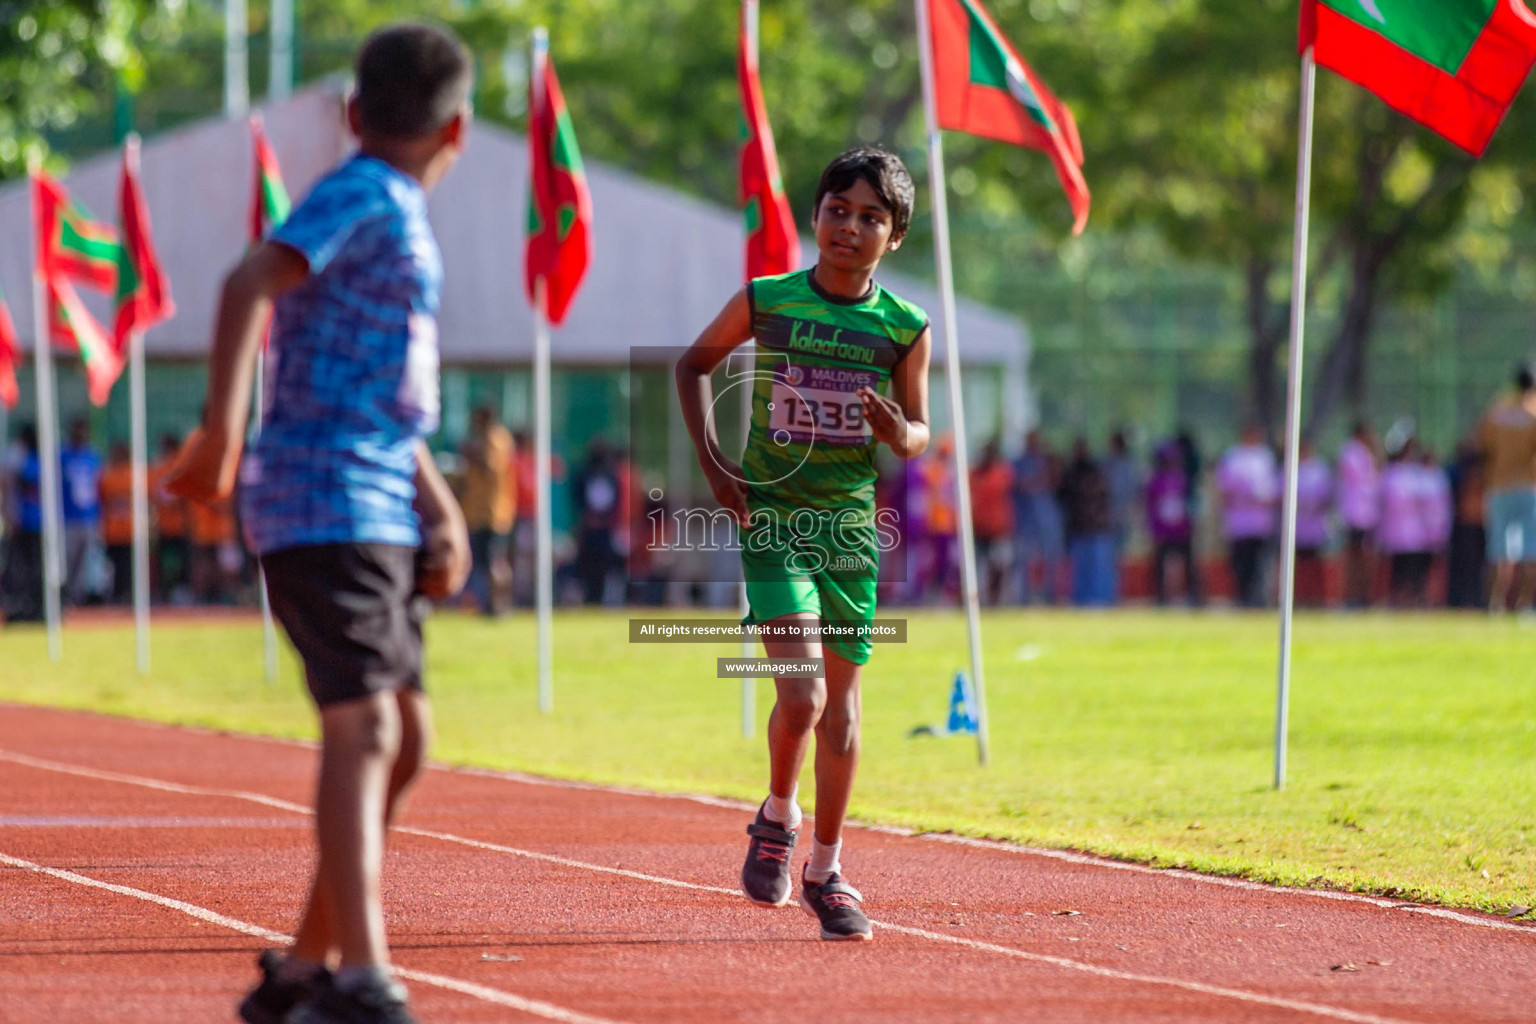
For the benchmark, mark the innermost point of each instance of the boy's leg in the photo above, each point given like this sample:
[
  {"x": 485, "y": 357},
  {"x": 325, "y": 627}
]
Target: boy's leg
[
  {"x": 824, "y": 894},
  {"x": 837, "y": 748},
  {"x": 765, "y": 876},
  {"x": 314, "y": 942},
  {"x": 796, "y": 709},
  {"x": 360, "y": 740}
]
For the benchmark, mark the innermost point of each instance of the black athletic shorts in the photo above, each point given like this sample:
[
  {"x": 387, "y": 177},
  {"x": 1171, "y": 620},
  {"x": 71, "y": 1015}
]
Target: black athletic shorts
[{"x": 353, "y": 614}]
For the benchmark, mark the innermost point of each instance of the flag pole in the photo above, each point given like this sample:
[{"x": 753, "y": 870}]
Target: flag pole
[
  {"x": 1293, "y": 408},
  {"x": 280, "y": 58},
  {"x": 48, "y": 449},
  {"x": 546, "y": 586},
  {"x": 268, "y": 629},
  {"x": 750, "y": 19},
  {"x": 237, "y": 87},
  {"x": 952, "y": 372},
  {"x": 138, "y": 415},
  {"x": 541, "y": 445},
  {"x": 140, "y": 442}
]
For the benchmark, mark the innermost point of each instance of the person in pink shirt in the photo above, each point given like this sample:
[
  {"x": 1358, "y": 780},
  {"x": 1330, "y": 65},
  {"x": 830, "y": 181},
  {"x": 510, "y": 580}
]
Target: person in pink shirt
[
  {"x": 1314, "y": 499},
  {"x": 1359, "y": 496},
  {"x": 1170, "y": 525},
  {"x": 1439, "y": 508},
  {"x": 1403, "y": 533},
  {"x": 1248, "y": 481}
]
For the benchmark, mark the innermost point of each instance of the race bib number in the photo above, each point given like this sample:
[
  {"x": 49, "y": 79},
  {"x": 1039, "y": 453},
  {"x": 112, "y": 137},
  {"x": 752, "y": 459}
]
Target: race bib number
[
  {"x": 810, "y": 404},
  {"x": 419, "y": 388}
]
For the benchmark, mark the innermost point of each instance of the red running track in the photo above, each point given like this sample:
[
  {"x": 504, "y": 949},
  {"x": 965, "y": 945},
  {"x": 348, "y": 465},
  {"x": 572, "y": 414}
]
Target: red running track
[{"x": 141, "y": 868}]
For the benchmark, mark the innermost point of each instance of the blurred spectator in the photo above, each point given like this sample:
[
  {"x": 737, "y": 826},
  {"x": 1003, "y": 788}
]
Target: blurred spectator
[
  {"x": 1037, "y": 518},
  {"x": 1439, "y": 509},
  {"x": 489, "y": 500},
  {"x": 525, "y": 533},
  {"x": 1507, "y": 440},
  {"x": 1089, "y": 528},
  {"x": 117, "y": 520},
  {"x": 1248, "y": 481},
  {"x": 1314, "y": 500},
  {"x": 992, "y": 519},
  {"x": 1123, "y": 478},
  {"x": 21, "y": 586},
  {"x": 172, "y": 555},
  {"x": 935, "y": 505},
  {"x": 1189, "y": 452},
  {"x": 1466, "y": 575},
  {"x": 1171, "y": 525},
  {"x": 1405, "y": 529},
  {"x": 650, "y": 556},
  {"x": 1360, "y": 510},
  {"x": 216, "y": 554},
  {"x": 525, "y": 521},
  {"x": 595, "y": 492},
  {"x": 631, "y": 528},
  {"x": 81, "y": 477},
  {"x": 897, "y": 489}
]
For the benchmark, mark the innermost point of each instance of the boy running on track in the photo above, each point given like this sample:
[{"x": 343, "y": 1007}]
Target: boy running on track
[
  {"x": 342, "y": 501},
  {"x": 842, "y": 364}
]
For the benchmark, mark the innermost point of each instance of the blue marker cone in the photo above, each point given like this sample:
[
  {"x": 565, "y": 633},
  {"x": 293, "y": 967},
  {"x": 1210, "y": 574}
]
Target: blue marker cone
[{"x": 962, "y": 707}]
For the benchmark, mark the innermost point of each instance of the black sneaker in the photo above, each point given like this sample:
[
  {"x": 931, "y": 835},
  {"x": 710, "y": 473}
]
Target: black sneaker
[
  {"x": 270, "y": 1001},
  {"x": 765, "y": 876},
  {"x": 835, "y": 904},
  {"x": 382, "y": 1002}
]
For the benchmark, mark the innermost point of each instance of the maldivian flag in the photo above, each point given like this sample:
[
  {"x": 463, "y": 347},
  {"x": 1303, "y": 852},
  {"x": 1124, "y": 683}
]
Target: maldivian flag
[
  {"x": 74, "y": 327},
  {"x": 71, "y": 242},
  {"x": 269, "y": 203},
  {"x": 74, "y": 247},
  {"x": 773, "y": 246},
  {"x": 559, "y": 205},
  {"x": 1452, "y": 65},
  {"x": 143, "y": 295},
  {"x": 984, "y": 88},
  {"x": 10, "y": 355}
]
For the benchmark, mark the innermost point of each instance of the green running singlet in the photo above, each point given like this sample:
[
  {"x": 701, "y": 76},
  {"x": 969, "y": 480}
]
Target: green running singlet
[{"x": 814, "y": 542}]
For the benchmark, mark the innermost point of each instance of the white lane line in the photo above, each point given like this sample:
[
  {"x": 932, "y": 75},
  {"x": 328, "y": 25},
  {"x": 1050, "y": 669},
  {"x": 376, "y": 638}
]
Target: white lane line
[
  {"x": 147, "y": 783},
  {"x": 102, "y": 821},
  {"x": 1067, "y": 856},
  {"x": 536, "y": 1007},
  {"x": 1230, "y": 883},
  {"x": 1000, "y": 846},
  {"x": 1013, "y": 849},
  {"x": 549, "y": 858},
  {"x": 1317, "y": 1009},
  {"x": 1018, "y": 954}
]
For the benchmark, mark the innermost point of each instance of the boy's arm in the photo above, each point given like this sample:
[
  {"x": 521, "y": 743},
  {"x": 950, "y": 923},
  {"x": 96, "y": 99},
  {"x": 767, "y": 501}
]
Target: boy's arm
[
  {"x": 205, "y": 468},
  {"x": 901, "y": 420},
  {"x": 695, "y": 392},
  {"x": 445, "y": 538}
]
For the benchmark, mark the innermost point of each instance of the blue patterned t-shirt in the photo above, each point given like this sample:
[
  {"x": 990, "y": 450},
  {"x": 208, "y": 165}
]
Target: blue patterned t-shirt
[{"x": 352, "y": 370}]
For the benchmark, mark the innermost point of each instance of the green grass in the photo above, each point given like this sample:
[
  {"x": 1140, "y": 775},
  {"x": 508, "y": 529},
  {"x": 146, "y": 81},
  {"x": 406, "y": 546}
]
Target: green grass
[{"x": 1136, "y": 735}]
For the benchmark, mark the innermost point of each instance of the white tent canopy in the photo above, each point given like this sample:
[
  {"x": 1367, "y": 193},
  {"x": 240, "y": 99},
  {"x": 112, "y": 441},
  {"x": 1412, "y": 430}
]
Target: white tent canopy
[{"x": 663, "y": 262}]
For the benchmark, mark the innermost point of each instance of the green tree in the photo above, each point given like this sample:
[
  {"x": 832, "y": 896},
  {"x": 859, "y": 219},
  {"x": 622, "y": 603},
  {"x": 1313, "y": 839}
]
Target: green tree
[
  {"x": 62, "y": 62},
  {"x": 1209, "y": 160}
]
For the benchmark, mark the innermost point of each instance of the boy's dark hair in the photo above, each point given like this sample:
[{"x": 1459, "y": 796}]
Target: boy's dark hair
[
  {"x": 411, "y": 80},
  {"x": 884, "y": 172}
]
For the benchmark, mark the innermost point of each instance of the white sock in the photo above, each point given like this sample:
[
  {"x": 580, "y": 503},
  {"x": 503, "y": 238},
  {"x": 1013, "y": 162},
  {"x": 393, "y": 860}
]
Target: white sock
[
  {"x": 785, "y": 809},
  {"x": 824, "y": 861}
]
